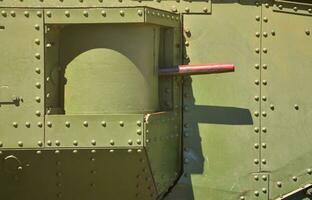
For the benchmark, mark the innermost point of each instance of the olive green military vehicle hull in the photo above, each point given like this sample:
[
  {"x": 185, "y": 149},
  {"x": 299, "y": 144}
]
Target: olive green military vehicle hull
[{"x": 129, "y": 99}]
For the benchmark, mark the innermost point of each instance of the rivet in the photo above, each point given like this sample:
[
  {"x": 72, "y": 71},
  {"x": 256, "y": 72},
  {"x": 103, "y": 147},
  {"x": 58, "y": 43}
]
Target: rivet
[
  {"x": 129, "y": 150},
  {"x": 256, "y": 193},
  {"x": 280, "y": 7},
  {"x": 75, "y": 142},
  {"x": 242, "y": 198},
  {"x": 38, "y": 152},
  {"x": 264, "y": 129},
  {"x": 38, "y": 85},
  {"x": 39, "y": 124},
  {"x": 264, "y": 114},
  {"x": 13, "y": 14},
  {"x": 309, "y": 171},
  {"x": 39, "y": 14},
  {"x": 93, "y": 151},
  {"x": 257, "y": 34},
  {"x": 279, "y": 184},
  {"x": 264, "y": 82},
  {"x": 256, "y": 98},
  {"x": 112, "y": 142},
  {"x": 122, "y": 13},
  {"x": 263, "y": 161},
  {"x": 256, "y": 145},
  {"x": 257, "y": 50},
  {"x": 257, "y": 18},
  {"x": 111, "y": 150},
  {"x": 67, "y": 124},
  {"x": 273, "y": 32},
  {"x": 266, "y": 5},
  {"x": 37, "y": 27},
  {"x": 264, "y": 66},
  {"x": 265, "y": 34},
  {"x": 264, "y": 98},
  {"x": 130, "y": 142},
  {"x": 38, "y": 99},
  {"x": 265, "y": 19},
  {"x": 263, "y": 145},
  {"x": 57, "y": 143},
  {"x": 272, "y": 106},
  {"x": 264, "y": 190},
  {"x": 265, "y": 50},
  {"x": 295, "y": 8},
  {"x": 37, "y": 41},
  {"x": 138, "y": 141},
  {"x": 256, "y": 161},
  {"x": 20, "y": 143},
  {"x": 294, "y": 178},
  {"x": 256, "y": 113},
  {"x": 15, "y": 124},
  {"x": 296, "y": 106},
  {"x": 264, "y": 177},
  {"x": 37, "y": 55},
  {"x": 4, "y": 14},
  {"x": 187, "y": 43},
  {"x": 121, "y": 123},
  {"x": 93, "y": 142},
  {"x": 307, "y": 32},
  {"x": 256, "y": 129},
  {"x": 75, "y": 151},
  {"x": 256, "y": 177},
  {"x": 26, "y": 14},
  {"x": 85, "y": 13},
  {"x": 187, "y": 9},
  {"x": 27, "y": 124},
  {"x": 67, "y": 13},
  {"x": 56, "y": 151},
  {"x": 49, "y": 143},
  {"x": 39, "y": 143},
  {"x": 139, "y": 123},
  {"x": 1, "y": 144},
  {"x": 205, "y": 9},
  {"x": 49, "y": 14},
  {"x": 49, "y": 124},
  {"x": 257, "y": 82},
  {"x": 38, "y": 113},
  {"x": 310, "y": 10},
  {"x": 48, "y": 45},
  {"x": 85, "y": 123},
  {"x": 103, "y": 12},
  {"x": 19, "y": 168}
]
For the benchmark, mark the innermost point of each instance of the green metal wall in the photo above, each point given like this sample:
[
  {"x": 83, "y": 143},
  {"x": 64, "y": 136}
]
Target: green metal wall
[{"x": 246, "y": 135}]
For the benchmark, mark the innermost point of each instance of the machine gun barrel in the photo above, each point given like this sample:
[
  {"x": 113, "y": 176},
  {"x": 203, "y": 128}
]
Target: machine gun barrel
[{"x": 197, "y": 69}]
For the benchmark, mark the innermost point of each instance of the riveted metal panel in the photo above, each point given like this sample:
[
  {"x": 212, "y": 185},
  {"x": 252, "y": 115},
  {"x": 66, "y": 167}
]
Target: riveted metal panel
[
  {"x": 294, "y": 7},
  {"x": 163, "y": 147},
  {"x": 21, "y": 78},
  {"x": 198, "y": 6},
  {"x": 221, "y": 112},
  {"x": 111, "y": 15},
  {"x": 94, "y": 130},
  {"x": 71, "y": 174},
  {"x": 286, "y": 103}
]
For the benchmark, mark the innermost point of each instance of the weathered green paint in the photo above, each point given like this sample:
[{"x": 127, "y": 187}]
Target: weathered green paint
[
  {"x": 71, "y": 130},
  {"x": 22, "y": 120},
  {"x": 288, "y": 62}
]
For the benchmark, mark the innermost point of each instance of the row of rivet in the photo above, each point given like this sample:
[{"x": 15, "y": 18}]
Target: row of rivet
[
  {"x": 93, "y": 142},
  {"x": 257, "y": 82},
  {"x": 103, "y": 124},
  {"x": 295, "y": 8},
  {"x": 75, "y": 151}
]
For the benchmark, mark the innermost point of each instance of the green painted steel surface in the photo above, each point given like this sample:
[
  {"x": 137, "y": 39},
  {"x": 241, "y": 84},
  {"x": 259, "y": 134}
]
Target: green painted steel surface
[
  {"x": 22, "y": 66},
  {"x": 72, "y": 72},
  {"x": 286, "y": 80}
]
